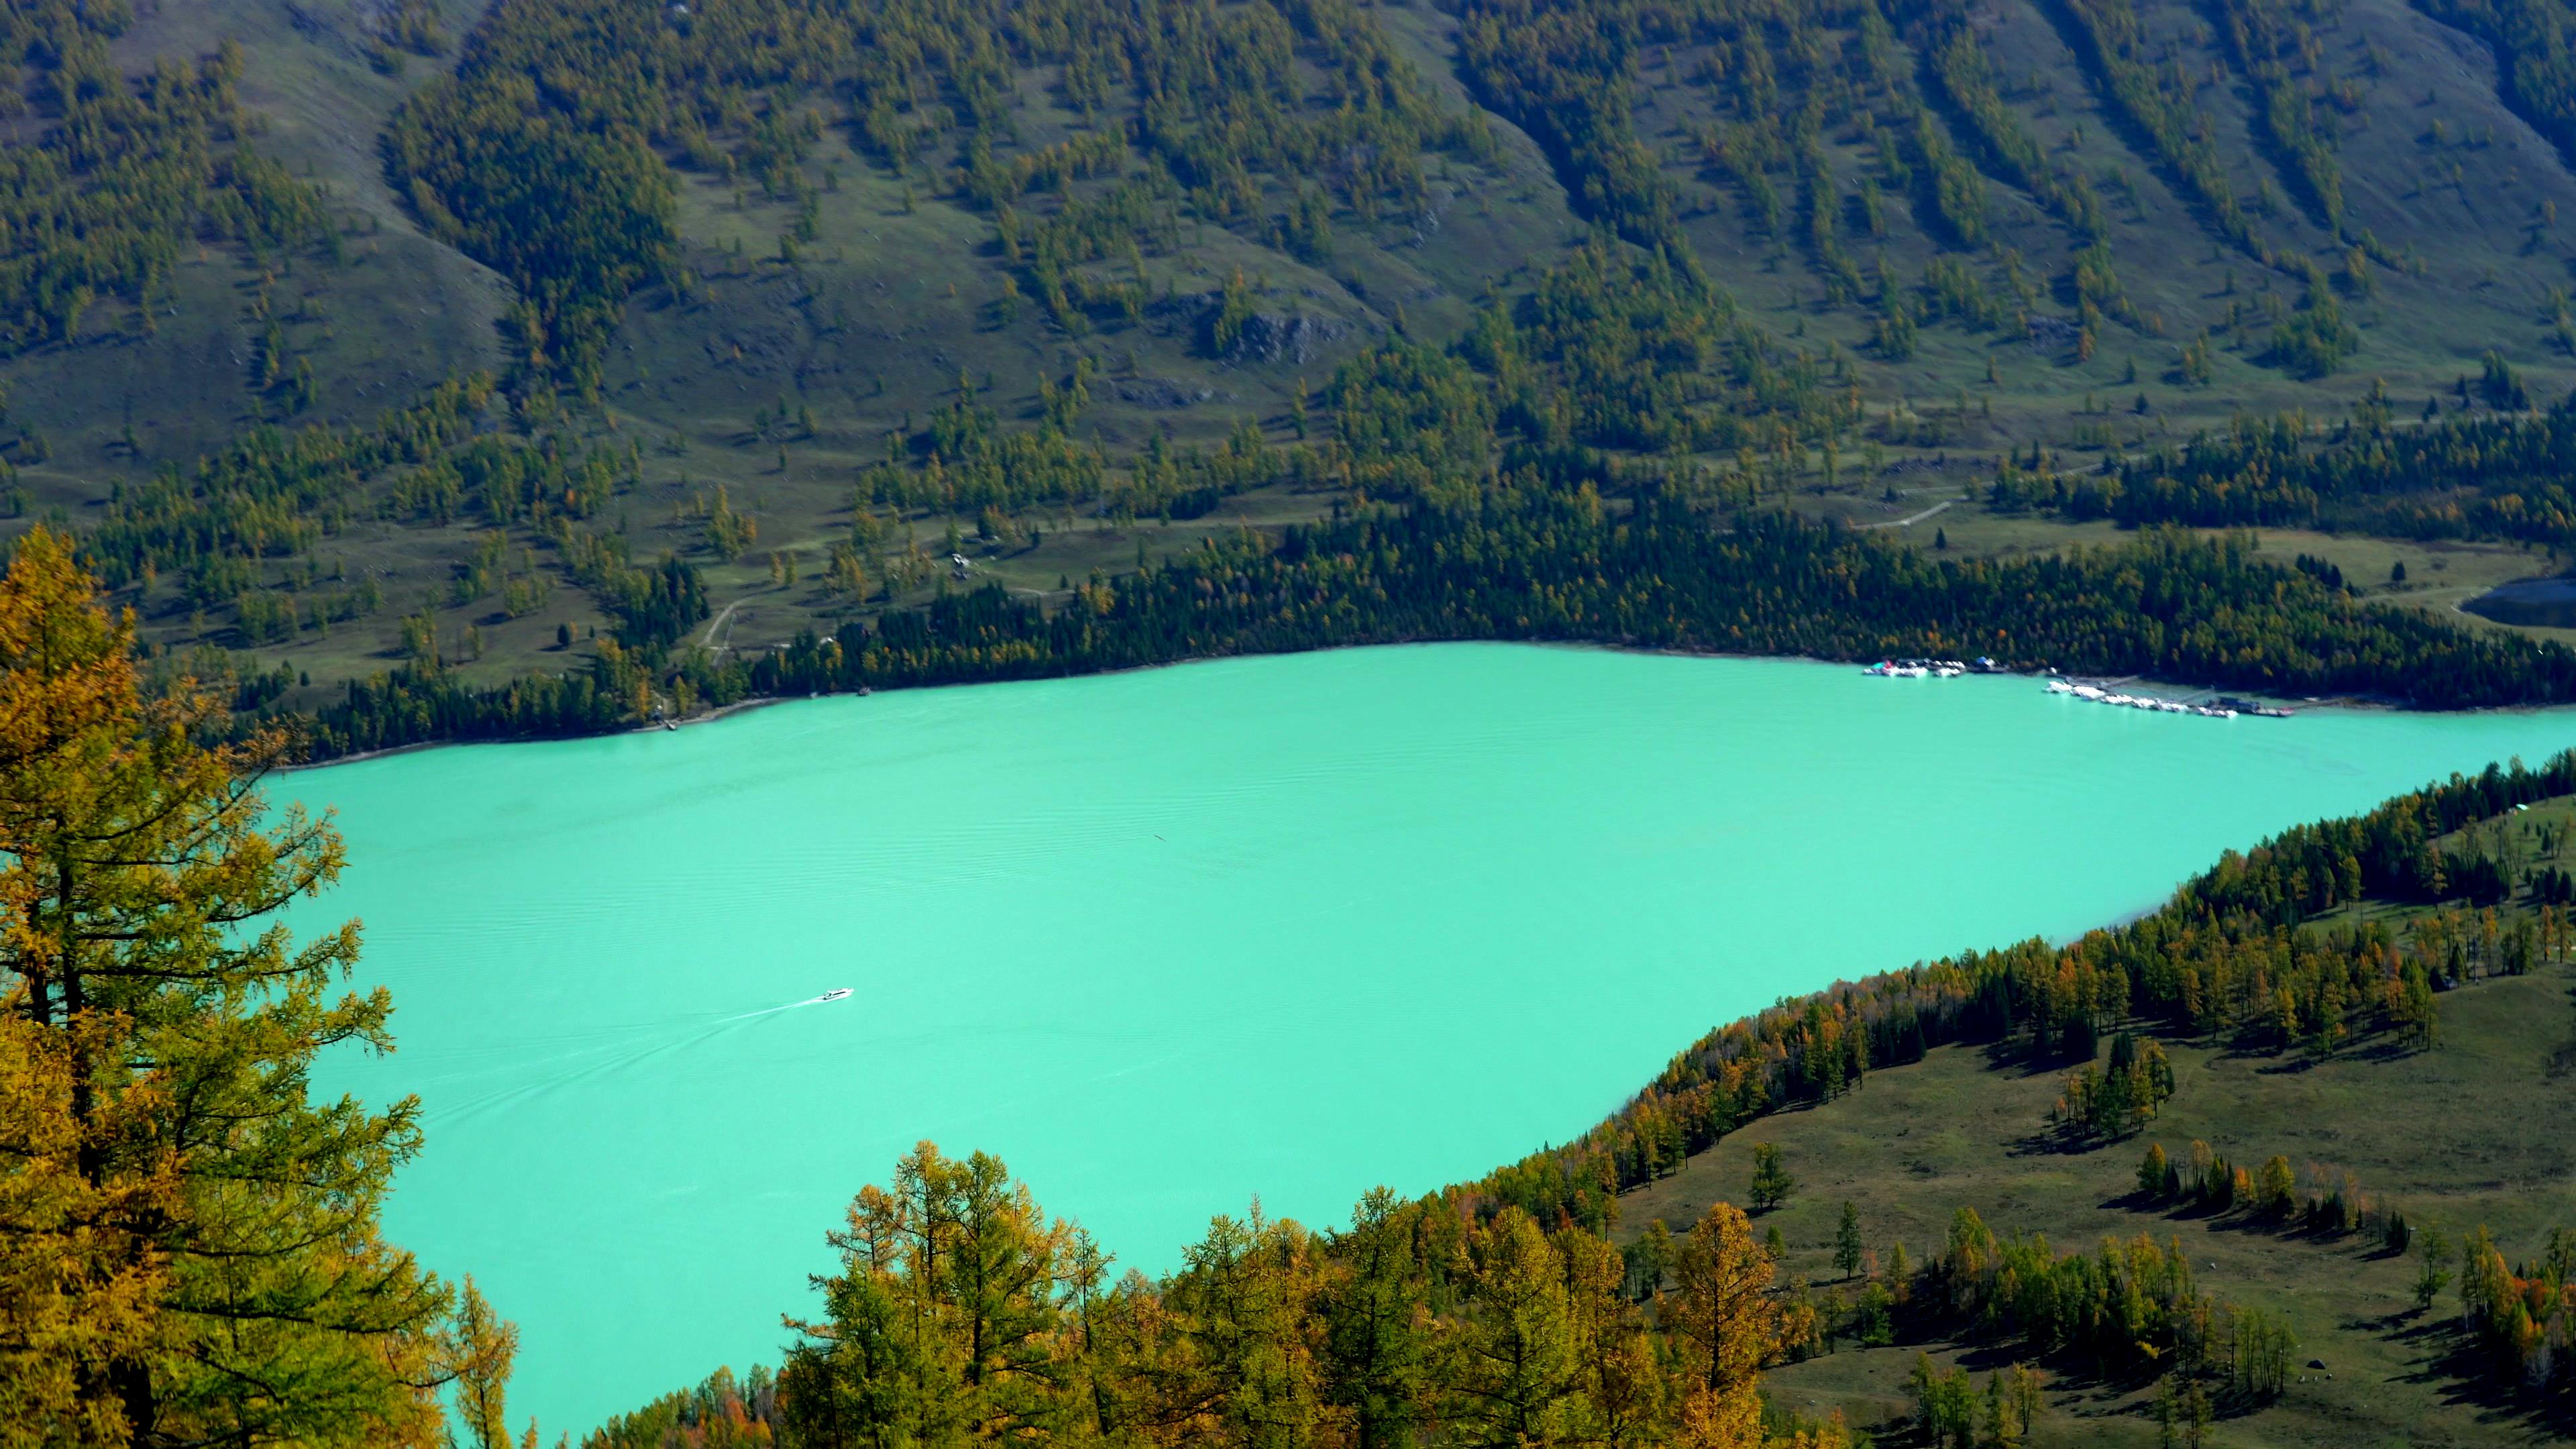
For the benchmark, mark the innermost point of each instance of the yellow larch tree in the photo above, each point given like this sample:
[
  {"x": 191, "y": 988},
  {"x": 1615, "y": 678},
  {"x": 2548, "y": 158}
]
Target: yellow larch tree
[{"x": 216, "y": 1273}]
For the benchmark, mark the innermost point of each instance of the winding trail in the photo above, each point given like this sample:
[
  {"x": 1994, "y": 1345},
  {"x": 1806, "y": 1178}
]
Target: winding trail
[
  {"x": 1917, "y": 518},
  {"x": 709, "y": 639}
]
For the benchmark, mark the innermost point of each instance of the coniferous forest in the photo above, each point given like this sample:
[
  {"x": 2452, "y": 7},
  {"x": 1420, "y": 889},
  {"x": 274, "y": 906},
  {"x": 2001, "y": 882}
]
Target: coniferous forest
[{"x": 412, "y": 371}]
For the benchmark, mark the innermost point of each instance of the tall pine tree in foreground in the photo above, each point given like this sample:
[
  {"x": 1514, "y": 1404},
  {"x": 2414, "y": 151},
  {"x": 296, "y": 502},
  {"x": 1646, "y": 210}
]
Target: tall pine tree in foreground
[{"x": 189, "y": 1249}]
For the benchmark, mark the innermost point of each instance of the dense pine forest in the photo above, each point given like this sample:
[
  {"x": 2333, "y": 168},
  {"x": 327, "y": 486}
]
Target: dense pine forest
[{"x": 1546, "y": 565}]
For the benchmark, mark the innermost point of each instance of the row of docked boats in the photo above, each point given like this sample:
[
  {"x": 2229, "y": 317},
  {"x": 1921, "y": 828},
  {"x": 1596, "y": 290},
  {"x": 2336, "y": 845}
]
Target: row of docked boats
[
  {"x": 2095, "y": 694},
  {"x": 1930, "y": 668},
  {"x": 2223, "y": 706}
]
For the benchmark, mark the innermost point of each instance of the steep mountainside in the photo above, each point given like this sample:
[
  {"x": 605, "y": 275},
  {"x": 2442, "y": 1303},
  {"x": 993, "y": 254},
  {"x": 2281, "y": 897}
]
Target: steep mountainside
[
  {"x": 814, "y": 295},
  {"x": 377, "y": 311}
]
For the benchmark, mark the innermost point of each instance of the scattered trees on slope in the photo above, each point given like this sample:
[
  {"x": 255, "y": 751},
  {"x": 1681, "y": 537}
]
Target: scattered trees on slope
[
  {"x": 2225, "y": 956},
  {"x": 124, "y": 174},
  {"x": 2500, "y": 477},
  {"x": 548, "y": 154}
]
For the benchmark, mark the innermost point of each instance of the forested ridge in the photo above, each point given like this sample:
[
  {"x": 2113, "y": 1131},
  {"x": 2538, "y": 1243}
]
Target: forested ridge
[
  {"x": 2226, "y": 956},
  {"x": 1449, "y": 1319}
]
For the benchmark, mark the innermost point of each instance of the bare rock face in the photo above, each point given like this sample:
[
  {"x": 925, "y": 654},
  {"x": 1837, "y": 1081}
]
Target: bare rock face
[
  {"x": 2052, "y": 334},
  {"x": 1163, "y": 392},
  {"x": 1276, "y": 337},
  {"x": 1264, "y": 337}
]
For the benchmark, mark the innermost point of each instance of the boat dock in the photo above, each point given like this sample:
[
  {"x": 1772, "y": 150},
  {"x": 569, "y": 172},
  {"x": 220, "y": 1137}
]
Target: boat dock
[
  {"x": 1930, "y": 668},
  {"x": 2206, "y": 704},
  {"x": 2213, "y": 707}
]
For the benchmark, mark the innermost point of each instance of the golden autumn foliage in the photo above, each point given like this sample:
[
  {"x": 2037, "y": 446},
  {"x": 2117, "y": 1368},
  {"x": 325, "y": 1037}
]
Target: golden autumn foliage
[
  {"x": 1730, "y": 1326},
  {"x": 79, "y": 1277},
  {"x": 191, "y": 1251},
  {"x": 962, "y": 1314}
]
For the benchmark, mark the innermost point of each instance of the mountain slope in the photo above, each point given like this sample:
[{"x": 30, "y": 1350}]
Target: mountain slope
[
  {"x": 830, "y": 291},
  {"x": 395, "y": 314}
]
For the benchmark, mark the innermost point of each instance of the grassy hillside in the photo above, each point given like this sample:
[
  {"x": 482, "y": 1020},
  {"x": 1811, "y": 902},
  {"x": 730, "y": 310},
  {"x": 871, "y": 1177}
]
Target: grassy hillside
[
  {"x": 2455, "y": 1134},
  {"x": 844, "y": 290},
  {"x": 2462, "y": 1135},
  {"x": 393, "y": 314}
]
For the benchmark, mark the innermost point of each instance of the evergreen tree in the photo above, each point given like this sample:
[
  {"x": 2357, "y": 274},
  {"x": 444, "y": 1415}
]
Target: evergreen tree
[
  {"x": 945, "y": 1312},
  {"x": 1847, "y": 1241},
  {"x": 1374, "y": 1312},
  {"x": 2432, "y": 1270},
  {"x": 1771, "y": 1181},
  {"x": 166, "y": 1025},
  {"x": 1516, "y": 1360},
  {"x": 2152, "y": 1171},
  {"x": 481, "y": 1349}
]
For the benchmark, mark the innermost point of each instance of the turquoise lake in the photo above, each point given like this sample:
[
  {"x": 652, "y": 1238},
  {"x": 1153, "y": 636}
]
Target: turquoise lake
[{"x": 1162, "y": 941}]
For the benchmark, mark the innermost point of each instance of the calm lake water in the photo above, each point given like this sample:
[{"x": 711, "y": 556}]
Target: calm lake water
[{"x": 1166, "y": 940}]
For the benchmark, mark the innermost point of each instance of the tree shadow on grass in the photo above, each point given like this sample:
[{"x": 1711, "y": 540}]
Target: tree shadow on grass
[
  {"x": 2378, "y": 1051},
  {"x": 2235, "y": 1218},
  {"x": 2290, "y": 1066},
  {"x": 2460, "y": 1372}
]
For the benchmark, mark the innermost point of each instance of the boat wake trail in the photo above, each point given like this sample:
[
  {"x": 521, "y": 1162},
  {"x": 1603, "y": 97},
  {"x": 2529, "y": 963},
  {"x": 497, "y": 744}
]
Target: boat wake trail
[
  {"x": 835, "y": 994},
  {"x": 627, "y": 1050}
]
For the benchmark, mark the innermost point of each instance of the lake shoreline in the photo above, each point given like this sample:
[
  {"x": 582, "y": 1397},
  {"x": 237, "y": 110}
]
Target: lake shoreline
[
  {"x": 1213, "y": 921},
  {"x": 743, "y": 706},
  {"x": 739, "y": 706}
]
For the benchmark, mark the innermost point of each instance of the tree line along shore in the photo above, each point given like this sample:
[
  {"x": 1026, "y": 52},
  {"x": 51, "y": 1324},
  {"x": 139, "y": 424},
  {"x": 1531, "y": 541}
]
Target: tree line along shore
[{"x": 194, "y": 1249}]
